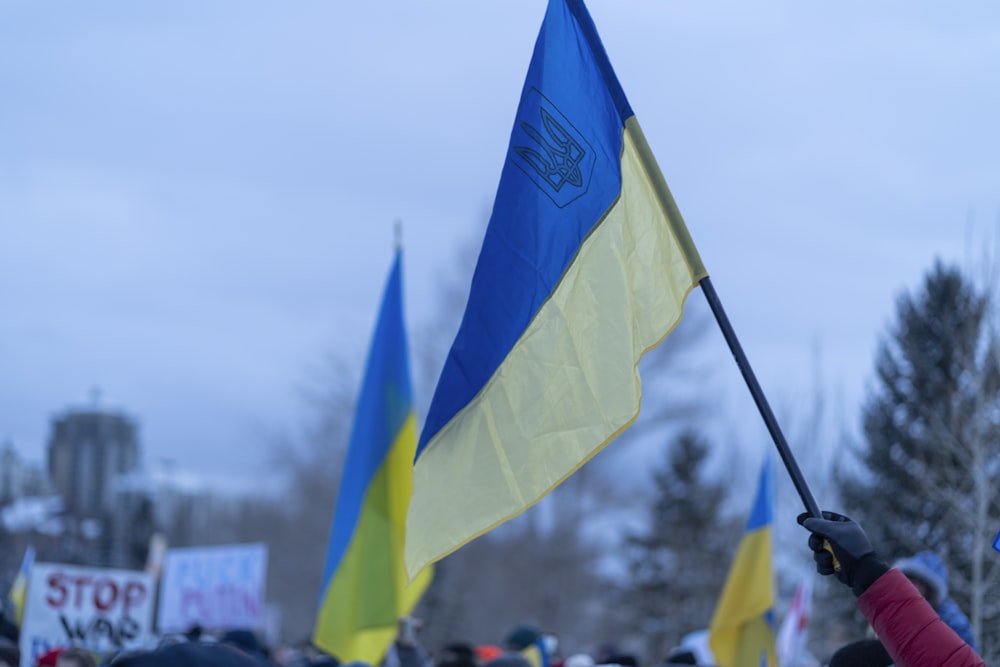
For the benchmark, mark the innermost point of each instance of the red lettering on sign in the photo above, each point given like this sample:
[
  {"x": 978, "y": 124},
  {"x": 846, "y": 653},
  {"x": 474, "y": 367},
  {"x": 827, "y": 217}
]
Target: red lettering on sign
[{"x": 103, "y": 594}]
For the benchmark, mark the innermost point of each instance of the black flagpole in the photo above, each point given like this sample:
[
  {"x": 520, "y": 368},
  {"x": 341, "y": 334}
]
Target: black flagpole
[{"x": 758, "y": 397}]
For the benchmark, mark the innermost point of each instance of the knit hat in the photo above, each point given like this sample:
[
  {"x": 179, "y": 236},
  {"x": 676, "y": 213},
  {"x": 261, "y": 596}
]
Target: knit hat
[
  {"x": 521, "y": 637},
  {"x": 246, "y": 641},
  {"x": 682, "y": 656},
  {"x": 48, "y": 659},
  {"x": 928, "y": 568},
  {"x": 862, "y": 653},
  {"x": 487, "y": 652}
]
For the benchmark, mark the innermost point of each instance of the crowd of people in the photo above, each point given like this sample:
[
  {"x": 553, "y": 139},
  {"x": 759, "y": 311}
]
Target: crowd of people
[
  {"x": 524, "y": 646},
  {"x": 913, "y": 620}
]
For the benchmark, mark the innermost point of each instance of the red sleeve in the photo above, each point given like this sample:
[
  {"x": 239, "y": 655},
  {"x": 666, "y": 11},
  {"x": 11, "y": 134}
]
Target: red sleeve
[{"x": 910, "y": 629}]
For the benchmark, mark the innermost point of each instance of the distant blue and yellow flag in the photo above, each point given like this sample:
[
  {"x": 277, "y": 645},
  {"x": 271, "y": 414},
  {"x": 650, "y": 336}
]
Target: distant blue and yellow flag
[
  {"x": 742, "y": 631},
  {"x": 585, "y": 266},
  {"x": 364, "y": 588},
  {"x": 19, "y": 588},
  {"x": 536, "y": 654}
]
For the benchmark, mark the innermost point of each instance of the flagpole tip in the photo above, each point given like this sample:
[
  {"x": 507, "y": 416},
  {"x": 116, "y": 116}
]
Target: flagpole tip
[{"x": 398, "y": 233}]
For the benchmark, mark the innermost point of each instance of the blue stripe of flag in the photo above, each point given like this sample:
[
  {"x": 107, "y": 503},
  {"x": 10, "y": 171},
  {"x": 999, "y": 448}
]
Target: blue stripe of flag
[
  {"x": 384, "y": 404},
  {"x": 536, "y": 227},
  {"x": 761, "y": 514}
]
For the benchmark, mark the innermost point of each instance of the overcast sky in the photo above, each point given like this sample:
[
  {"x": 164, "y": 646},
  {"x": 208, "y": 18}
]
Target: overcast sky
[{"x": 197, "y": 199}]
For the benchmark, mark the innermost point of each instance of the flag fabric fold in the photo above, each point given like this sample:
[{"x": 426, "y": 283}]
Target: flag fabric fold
[
  {"x": 742, "y": 631},
  {"x": 585, "y": 266},
  {"x": 364, "y": 589}
]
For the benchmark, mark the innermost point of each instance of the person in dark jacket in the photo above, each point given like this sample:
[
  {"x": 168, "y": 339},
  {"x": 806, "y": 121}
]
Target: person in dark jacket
[
  {"x": 10, "y": 655},
  {"x": 908, "y": 626}
]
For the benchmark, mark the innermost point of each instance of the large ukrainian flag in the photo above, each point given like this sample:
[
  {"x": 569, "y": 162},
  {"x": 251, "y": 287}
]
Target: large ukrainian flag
[
  {"x": 364, "y": 587},
  {"x": 585, "y": 266},
  {"x": 742, "y": 631}
]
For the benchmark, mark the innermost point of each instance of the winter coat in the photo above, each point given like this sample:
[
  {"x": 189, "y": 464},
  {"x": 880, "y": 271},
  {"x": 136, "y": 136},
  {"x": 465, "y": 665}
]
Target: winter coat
[
  {"x": 930, "y": 569},
  {"x": 911, "y": 630}
]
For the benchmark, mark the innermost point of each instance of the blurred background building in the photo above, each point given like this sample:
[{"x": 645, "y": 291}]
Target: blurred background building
[
  {"x": 89, "y": 447},
  {"x": 93, "y": 501}
]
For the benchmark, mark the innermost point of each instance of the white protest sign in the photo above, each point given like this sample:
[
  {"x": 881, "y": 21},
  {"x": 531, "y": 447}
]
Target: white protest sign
[
  {"x": 101, "y": 610},
  {"x": 218, "y": 588}
]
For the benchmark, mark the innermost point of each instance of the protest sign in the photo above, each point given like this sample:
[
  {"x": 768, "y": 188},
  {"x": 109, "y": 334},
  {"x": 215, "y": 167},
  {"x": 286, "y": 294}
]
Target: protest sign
[
  {"x": 218, "y": 588},
  {"x": 104, "y": 611}
]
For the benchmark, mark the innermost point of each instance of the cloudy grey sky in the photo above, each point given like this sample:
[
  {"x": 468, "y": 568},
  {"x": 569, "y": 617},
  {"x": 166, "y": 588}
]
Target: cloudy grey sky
[{"x": 196, "y": 199}]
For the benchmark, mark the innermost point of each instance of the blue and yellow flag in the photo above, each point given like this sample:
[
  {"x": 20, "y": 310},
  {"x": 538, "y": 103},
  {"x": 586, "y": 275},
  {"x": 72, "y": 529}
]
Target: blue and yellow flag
[
  {"x": 19, "y": 589},
  {"x": 585, "y": 266},
  {"x": 742, "y": 631},
  {"x": 536, "y": 654},
  {"x": 364, "y": 588}
]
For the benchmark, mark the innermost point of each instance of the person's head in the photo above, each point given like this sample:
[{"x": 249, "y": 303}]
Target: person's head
[
  {"x": 194, "y": 633},
  {"x": 457, "y": 654},
  {"x": 928, "y": 574},
  {"x": 863, "y": 653},
  {"x": 247, "y": 641},
  {"x": 75, "y": 657},
  {"x": 407, "y": 630},
  {"x": 521, "y": 638},
  {"x": 682, "y": 656}
]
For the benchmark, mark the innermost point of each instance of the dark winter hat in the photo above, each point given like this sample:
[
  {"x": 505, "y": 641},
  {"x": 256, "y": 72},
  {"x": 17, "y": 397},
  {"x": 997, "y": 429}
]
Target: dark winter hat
[
  {"x": 460, "y": 649},
  {"x": 245, "y": 640},
  {"x": 682, "y": 656},
  {"x": 457, "y": 654},
  {"x": 863, "y": 653},
  {"x": 624, "y": 659},
  {"x": 928, "y": 568},
  {"x": 192, "y": 654},
  {"x": 521, "y": 637}
]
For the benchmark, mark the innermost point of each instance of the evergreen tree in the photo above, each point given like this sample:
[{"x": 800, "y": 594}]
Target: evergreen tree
[
  {"x": 677, "y": 566},
  {"x": 931, "y": 473}
]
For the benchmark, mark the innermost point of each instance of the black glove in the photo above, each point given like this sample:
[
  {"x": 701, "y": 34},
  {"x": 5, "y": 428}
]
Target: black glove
[{"x": 858, "y": 565}]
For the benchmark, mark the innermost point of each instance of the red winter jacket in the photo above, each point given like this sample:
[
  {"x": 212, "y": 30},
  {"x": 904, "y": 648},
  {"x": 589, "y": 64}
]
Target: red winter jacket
[{"x": 909, "y": 628}]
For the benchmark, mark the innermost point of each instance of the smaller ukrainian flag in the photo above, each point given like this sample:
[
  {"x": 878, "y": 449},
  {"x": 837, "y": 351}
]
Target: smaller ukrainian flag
[
  {"x": 19, "y": 588},
  {"x": 364, "y": 589},
  {"x": 742, "y": 631}
]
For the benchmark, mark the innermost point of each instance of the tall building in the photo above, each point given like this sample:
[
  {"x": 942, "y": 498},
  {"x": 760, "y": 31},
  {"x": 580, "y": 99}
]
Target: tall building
[{"x": 88, "y": 448}]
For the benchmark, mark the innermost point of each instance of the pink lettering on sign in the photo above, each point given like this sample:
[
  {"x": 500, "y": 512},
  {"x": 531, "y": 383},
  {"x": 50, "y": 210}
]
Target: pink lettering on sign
[{"x": 221, "y": 604}]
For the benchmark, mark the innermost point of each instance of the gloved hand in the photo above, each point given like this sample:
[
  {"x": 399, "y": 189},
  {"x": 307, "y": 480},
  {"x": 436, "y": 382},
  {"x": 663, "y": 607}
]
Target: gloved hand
[{"x": 859, "y": 566}]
